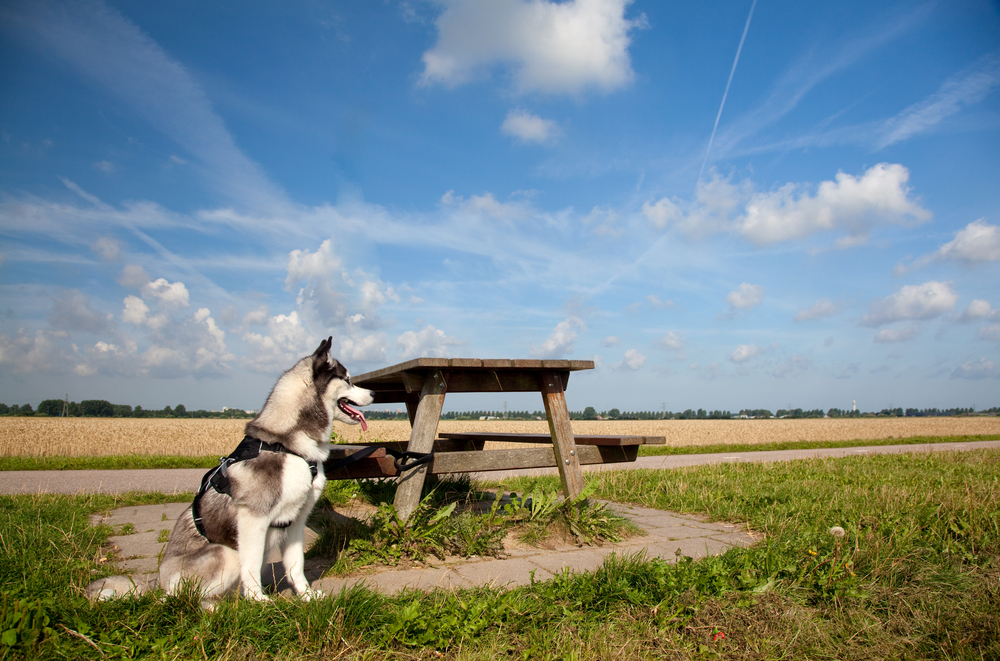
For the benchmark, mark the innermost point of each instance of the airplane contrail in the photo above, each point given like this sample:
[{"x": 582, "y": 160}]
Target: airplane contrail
[{"x": 726, "y": 93}]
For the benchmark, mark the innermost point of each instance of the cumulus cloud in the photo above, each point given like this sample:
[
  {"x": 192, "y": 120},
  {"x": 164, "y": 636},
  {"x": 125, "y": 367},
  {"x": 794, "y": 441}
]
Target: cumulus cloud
[
  {"x": 428, "y": 341},
  {"x": 659, "y": 304},
  {"x": 716, "y": 200},
  {"x": 980, "y": 369},
  {"x": 559, "y": 343},
  {"x": 168, "y": 293},
  {"x": 745, "y": 352},
  {"x": 318, "y": 293},
  {"x": 889, "y": 335},
  {"x": 745, "y": 297},
  {"x": 363, "y": 349},
  {"x": 564, "y": 47},
  {"x": 527, "y": 127},
  {"x": 633, "y": 360},
  {"x": 33, "y": 353},
  {"x": 976, "y": 242},
  {"x": 925, "y": 301},
  {"x": 823, "y": 307},
  {"x": 848, "y": 204},
  {"x": 610, "y": 341},
  {"x": 286, "y": 341},
  {"x": 978, "y": 310}
]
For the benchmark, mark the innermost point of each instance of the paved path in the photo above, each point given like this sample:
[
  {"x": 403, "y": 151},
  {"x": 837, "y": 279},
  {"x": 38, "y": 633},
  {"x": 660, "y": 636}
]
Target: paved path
[
  {"x": 182, "y": 480},
  {"x": 667, "y": 534}
]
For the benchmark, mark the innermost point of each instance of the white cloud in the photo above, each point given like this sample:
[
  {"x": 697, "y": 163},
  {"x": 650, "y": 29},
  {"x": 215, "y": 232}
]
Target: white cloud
[
  {"x": 610, "y": 341},
  {"x": 319, "y": 270},
  {"x": 745, "y": 352},
  {"x": 559, "y": 343},
  {"x": 133, "y": 276},
  {"x": 976, "y": 242},
  {"x": 964, "y": 88},
  {"x": 889, "y": 335},
  {"x": 564, "y": 47},
  {"x": 745, "y": 297},
  {"x": 716, "y": 200},
  {"x": 286, "y": 341},
  {"x": 823, "y": 307},
  {"x": 673, "y": 342},
  {"x": 633, "y": 360},
  {"x": 978, "y": 310},
  {"x": 369, "y": 348},
  {"x": 169, "y": 293},
  {"x": 980, "y": 369},
  {"x": 925, "y": 301},
  {"x": 527, "y": 127},
  {"x": 429, "y": 341},
  {"x": 849, "y": 204},
  {"x": 107, "y": 167},
  {"x": 30, "y": 354},
  {"x": 107, "y": 247},
  {"x": 305, "y": 265}
]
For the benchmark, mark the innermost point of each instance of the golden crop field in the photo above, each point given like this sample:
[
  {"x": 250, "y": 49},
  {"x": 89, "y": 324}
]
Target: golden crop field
[{"x": 117, "y": 436}]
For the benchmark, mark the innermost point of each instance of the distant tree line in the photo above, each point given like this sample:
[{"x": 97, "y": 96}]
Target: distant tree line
[{"x": 100, "y": 408}]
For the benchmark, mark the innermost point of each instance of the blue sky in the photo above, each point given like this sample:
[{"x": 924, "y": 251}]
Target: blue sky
[{"x": 724, "y": 205}]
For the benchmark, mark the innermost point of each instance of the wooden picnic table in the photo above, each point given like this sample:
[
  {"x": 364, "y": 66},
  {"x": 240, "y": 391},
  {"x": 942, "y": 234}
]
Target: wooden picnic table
[{"x": 422, "y": 384}]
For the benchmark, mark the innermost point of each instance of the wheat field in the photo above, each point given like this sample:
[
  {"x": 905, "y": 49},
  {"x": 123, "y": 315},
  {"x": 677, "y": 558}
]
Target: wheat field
[{"x": 119, "y": 436}]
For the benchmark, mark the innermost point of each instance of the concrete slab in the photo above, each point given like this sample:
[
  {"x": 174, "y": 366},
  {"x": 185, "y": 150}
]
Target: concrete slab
[
  {"x": 503, "y": 573},
  {"x": 581, "y": 560}
]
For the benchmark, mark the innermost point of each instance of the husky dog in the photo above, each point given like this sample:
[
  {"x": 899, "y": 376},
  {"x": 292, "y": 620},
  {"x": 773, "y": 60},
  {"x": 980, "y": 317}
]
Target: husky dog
[{"x": 259, "y": 497}]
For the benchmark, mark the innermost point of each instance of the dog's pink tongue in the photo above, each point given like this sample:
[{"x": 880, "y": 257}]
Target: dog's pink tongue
[{"x": 357, "y": 415}]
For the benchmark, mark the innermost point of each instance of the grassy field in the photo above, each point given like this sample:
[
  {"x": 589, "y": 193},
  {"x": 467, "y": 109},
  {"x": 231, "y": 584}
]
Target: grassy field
[
  {"x": 914, "y": 573},
  {"x": 79, "y": 437}
]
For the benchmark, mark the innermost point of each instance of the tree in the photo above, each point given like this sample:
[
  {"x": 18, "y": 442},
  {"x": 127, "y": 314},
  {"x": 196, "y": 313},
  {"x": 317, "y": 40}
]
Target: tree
[
  {"x": 180, "y": 410},
  {"x": 589, "y": 413},
  {"x": 96, "y": 408},
  {"x": 51, "y": 407},
  {"x": 614, "y": 413}
]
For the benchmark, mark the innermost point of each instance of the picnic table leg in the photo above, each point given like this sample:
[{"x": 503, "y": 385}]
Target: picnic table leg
[
  {"x": 563, "y": 443},
  {"x": 422, "y": 434}
]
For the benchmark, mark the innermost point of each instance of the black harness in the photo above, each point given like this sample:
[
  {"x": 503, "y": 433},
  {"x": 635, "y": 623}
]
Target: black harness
[{"x": 250, "y": 447}]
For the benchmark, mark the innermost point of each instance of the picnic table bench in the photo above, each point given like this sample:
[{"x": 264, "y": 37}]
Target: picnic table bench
[{"x": 422, "y": 384}]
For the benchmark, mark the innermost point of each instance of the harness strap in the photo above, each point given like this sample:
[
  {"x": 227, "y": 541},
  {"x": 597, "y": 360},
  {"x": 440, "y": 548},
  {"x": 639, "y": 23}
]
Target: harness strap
[{"x": 218, "y": 477}]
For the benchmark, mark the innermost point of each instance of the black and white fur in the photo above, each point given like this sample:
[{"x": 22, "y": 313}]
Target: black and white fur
[{"x": 272, "y": 488}]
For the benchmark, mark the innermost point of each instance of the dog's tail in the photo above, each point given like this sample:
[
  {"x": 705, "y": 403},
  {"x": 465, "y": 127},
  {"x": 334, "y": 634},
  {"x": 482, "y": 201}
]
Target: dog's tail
[{"x": 113, "y": 587}]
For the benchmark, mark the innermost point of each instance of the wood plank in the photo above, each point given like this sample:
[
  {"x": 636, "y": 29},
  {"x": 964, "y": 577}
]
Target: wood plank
[
  {"x": 482, "y": 462},
  {"x": 580, "y": 439},
  {"x": 422, "y": 435},
  {"x": 561, "y": 431}
]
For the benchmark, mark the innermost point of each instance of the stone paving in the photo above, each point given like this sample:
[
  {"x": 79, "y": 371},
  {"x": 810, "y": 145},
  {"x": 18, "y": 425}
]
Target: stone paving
[{"x": 667, "y": 536}]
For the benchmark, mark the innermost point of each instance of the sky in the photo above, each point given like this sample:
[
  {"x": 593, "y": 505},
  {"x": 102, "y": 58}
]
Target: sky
[{"x": 724, "y": 205}]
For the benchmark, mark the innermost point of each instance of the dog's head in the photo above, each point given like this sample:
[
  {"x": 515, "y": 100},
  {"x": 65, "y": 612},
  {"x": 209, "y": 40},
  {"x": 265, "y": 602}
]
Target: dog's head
[{"x": 333, "y": 381}]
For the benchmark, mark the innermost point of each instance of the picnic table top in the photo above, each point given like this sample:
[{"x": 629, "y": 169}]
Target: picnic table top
[{"x": 394, "y": 373}]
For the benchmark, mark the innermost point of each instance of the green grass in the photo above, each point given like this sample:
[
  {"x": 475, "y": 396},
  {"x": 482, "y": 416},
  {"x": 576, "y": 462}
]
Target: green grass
[
  {"x": 117, "y": 462},
  {"x": 718, "y": 448},
  {"x": 175, "y": 461},
  {"x": 917, "y": 576}
]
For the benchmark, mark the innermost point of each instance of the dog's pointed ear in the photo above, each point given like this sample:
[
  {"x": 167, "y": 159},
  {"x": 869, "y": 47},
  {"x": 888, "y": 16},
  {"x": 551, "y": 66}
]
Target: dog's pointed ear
[{"x": 323, "y": 350}]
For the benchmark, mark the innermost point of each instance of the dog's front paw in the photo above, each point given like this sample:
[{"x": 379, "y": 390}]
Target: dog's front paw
[{"x": 309, "y": 594}]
